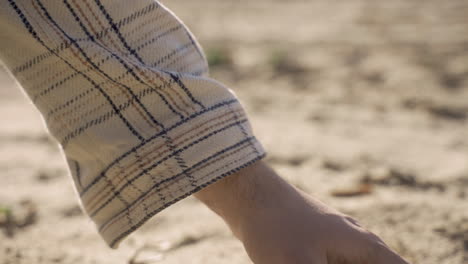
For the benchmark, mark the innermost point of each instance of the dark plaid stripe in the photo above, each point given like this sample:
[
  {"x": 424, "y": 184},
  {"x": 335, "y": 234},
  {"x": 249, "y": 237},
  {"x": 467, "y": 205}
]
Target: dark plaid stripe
[
  {"x": 102, "y": 118},
  {"x": 148, "y": 216},
  {"x": 161, "y": 36},
  {"x": 243, "y": 131},
  {"x": 194, "y": 44},
  {"x": 34, "y": 61},
  {"x": 193, "y": 72},
  {"x": 151, "y": 176},
  {"x": 176, "y": 181},
  {"x": 141, "y": 46},
  {"x": 83, "y": 53},
  {"x": 88, "y": 91},
  {"x": 129, "y": 70},
  {"x": 126, "y": 154},
  {"x": 117, "y": 31},
  {"x": 168, "y": 140},
  {"x": 107, "y": 58},
  {"x": 195, "y": 166},
  {"x": 179, "y": 49},
  {"x": 34, "y": 34},
  {"x": 173, "y": 154},
  {"x": 182, "y": 85},
  {"x": 61, "y": 33},
  {"x": 53, "y": 86},
  {"x": 180, "y": 161},
  {"x": 153, "y": 152}
]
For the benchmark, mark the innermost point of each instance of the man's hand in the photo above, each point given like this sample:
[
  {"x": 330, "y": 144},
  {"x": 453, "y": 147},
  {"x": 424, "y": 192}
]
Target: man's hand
[{"x": 279, "y": 224}]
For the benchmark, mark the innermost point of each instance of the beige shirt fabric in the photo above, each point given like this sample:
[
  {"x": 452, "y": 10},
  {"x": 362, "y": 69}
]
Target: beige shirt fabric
[{"x": 123, "y": 86}]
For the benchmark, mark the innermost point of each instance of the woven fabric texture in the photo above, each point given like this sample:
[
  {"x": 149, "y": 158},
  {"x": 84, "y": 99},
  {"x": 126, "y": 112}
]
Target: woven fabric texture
[{"x": 123, "y": 86}]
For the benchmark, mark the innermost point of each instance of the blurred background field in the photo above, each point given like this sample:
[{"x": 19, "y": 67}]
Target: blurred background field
[{"x": 362, "y": 103}]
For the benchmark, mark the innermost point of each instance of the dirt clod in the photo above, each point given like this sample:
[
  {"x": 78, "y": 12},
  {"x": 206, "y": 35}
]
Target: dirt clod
[{"x": 17, "y": 217}]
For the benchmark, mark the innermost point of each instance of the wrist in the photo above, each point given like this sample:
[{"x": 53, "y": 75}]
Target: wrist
[
  {"x": 249, "y": 194},
  {"x": 233, "y": 197}
]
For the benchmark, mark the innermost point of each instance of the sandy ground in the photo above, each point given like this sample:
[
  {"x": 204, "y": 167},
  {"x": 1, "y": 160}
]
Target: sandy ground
[{"x": 362, "y": 103}]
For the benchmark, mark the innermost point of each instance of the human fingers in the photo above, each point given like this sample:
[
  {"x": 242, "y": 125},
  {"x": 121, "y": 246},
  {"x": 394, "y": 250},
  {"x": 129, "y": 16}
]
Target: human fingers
[{"x": 385, "y": 255}]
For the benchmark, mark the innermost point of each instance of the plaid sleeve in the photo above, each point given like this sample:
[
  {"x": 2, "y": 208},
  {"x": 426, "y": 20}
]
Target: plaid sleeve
[{"x": 123, "y": 86}]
